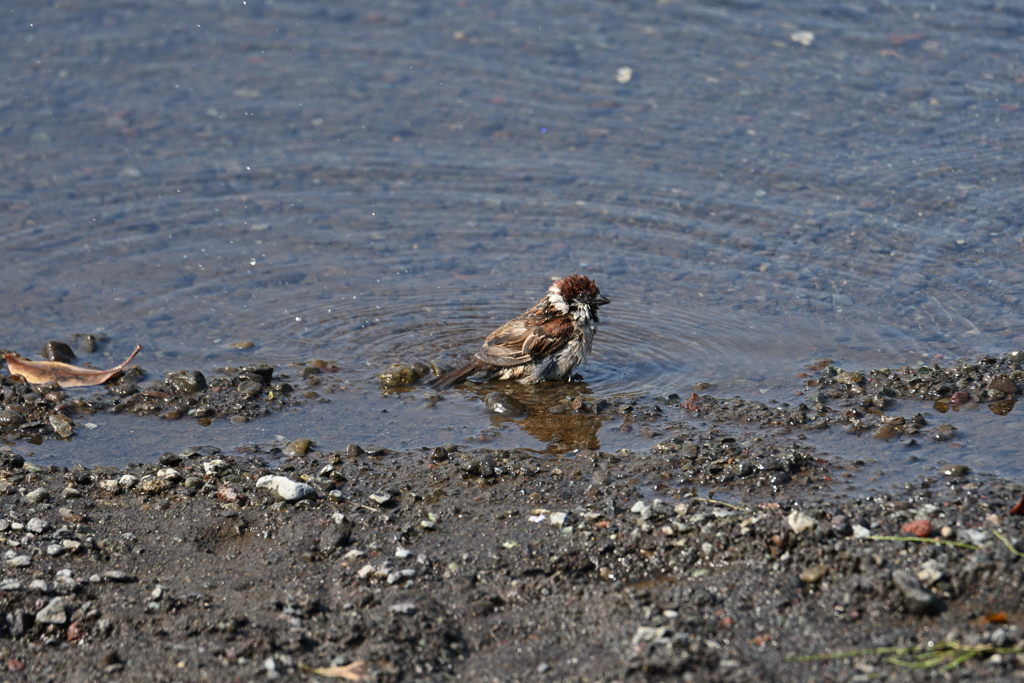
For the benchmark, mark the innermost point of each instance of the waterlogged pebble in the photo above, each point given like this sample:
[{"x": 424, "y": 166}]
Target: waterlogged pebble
[
  {"x": 58, "y": 351},
  {"x": 249, "y": 390},
  {"x": 956, "y": 471},
  {"x": 297, "y": 447},
  {"x": 916, "y": 598},
  {"x": 944, "y": 432},
  {"x": 55, "y": 612},
  {"x": 885, "y": 432},
  {"x": 11, "y": 461},
  {"x": 501, "y": 404},
  {"x": 286, "y": 489},
  {"x": 10, "y": 418},
  {"x": 1003, "y": 384},
  {"x": 185, "y": 381},
  {"x": 800, "y": 521},
  {"x": 39, "y": 495},
  {"x": 61, "y": 424},
  {"x": 398, "y": 375}
]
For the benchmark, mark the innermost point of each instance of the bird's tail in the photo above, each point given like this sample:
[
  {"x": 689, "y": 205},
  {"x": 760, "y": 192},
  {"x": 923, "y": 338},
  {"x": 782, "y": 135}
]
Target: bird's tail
[{"x": 452, "y": 378}]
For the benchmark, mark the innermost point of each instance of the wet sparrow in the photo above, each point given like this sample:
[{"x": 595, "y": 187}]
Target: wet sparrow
[{"x": 546, "y": 342}]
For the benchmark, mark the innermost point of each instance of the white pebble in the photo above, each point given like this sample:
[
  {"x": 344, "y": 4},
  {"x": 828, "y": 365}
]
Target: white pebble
[{"x": 285, "y": 488}]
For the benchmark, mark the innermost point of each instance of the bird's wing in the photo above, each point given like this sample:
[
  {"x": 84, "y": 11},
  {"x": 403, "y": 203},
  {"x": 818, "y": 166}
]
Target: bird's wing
[{"x": 518, "y": 342}]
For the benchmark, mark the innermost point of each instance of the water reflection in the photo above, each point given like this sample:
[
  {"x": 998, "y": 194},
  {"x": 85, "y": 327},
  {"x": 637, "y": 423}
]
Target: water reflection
[{"x": 565, "y": 416}]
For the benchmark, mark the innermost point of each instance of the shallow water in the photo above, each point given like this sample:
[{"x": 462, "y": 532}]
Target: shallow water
[{"x": 373, "y": 183}]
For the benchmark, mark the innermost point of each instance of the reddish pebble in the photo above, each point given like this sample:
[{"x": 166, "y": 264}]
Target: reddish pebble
[
  {"x": 921, "y": 528},
  {"x": 229, "y": 495},
  {"x": 726, "y": 622},
  {"x": 1018, "y": 509},
  {"x": 74, "y": 631}
]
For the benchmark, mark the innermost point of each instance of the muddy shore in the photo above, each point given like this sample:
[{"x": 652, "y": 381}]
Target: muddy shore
[{"x": 725, "y": 552}]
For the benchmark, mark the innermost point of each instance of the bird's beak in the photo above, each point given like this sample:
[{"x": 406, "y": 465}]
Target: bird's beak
[{"x": 601, "y": 300}]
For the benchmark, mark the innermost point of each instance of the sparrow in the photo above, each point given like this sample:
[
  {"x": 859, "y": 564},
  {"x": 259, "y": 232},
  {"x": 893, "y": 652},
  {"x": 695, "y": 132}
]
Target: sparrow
[{"x": 546, "y": 342}]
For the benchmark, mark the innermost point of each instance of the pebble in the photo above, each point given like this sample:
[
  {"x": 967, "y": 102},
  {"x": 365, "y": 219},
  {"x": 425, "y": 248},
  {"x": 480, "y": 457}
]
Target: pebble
[
  {"x": 403, "y": 608},
  {"x": 334, "y": 536},
  {"x": 128, "y": 481},
  {"x": 975, "y": 536},
  {"x": 62, "y": 425},
  {"x": 917, "y": 599},
  {"x": 71, "y": 493},
  {"x": 39, "y": 586},
  {"x": 212, "y": 467},
  {"x": 814, "y": 574},
  {"x": 800, "y": 521},
  {"x": 381, "y": 499},
  {"x": 55, "y": 550},
  {"x": 11, "y": 585},
  {"x": 930, "y": 573},
  {"x": 297, "y": 447},
  {"x": 285, "y": 488},
  {"x": 110, "y": 486},
  {"x": 395, "y": 577},
  {"x": 230, "y": 495},
  {"x": 55, "y": 612},
  {"x": 37, "y": 525},
  {"x": 501, "y": 404},
  {"x": 558, "y": 518},
  {"x": 947, "y": 532},
  {"x": 169, "y": 474},
  {"x": 39, "y": 495},
  {"x": 118, "y": 576},
  {"x": 921, "y": 528},
  {"x": 19, "y": 561}
]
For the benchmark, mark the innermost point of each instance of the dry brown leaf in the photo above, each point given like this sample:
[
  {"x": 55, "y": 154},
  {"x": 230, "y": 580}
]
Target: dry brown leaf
[
  {"x": 41, "y": 372},
  {"x": 356, "y": 671}
]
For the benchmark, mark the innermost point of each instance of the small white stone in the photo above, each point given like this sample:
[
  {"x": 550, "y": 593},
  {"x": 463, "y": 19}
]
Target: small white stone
[
  {"x": 402, "y": 553},
  {"x": 800, "y": 521},
  {"x": 624, "y": 75},
  {"x": 19, "y": 561},
  {"x": 37, "y": 526},
  {"x": 557, "y": 518},
  {"x": 365, "y": 571},
  {"x": 214, "y": 466},
  {"x": 170, "y": 474},
  {"x": 285, "y": 488},
  {"x": 110, "y": 485},
  {"x": 128, "y": 481},
  {"x": 55, "y": 550}
]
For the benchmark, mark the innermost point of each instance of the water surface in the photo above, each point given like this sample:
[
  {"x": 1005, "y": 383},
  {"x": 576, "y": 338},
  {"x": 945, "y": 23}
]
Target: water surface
[{"x": 370, "y": 183}]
